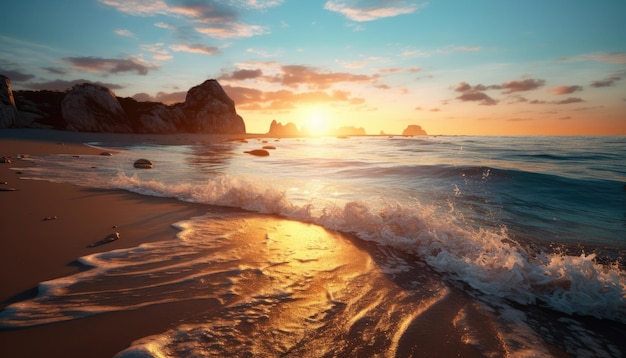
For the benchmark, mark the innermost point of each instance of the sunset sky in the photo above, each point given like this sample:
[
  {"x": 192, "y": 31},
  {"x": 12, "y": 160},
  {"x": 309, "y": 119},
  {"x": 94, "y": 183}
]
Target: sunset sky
[{"x": 453, "y": 67}]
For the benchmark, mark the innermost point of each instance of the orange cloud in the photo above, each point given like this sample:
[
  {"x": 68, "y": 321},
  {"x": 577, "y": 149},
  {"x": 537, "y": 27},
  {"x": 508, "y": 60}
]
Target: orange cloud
[
  {"x": 255, "y": 99},
  {"x": 563, "y": 90},
  {"x": 528, "y": 84},
  {"x": 295, "y": 75},
  {"x": 477, "y": 96}
]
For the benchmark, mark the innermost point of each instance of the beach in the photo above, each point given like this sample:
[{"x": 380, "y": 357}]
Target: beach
[
  {"x": 50, "y": 225},
  {"x": 238, "y": 279},
  {"x": 35, "y": 250}
]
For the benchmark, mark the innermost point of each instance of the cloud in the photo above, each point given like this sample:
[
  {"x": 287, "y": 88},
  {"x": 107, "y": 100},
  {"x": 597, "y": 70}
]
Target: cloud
[
  {"x": 218, "y": 19},
  {"x": 563, "y": 90},
  {"x": 16, "y": 75},
  {"x": 369, "y": 10},
  {"x": 255, "y": 99},
  {"x": 611, "y": 57},
  {"x": 477, "y": 96},
  {"x": 138, "y": 7},
  {"x": 55, "y": 70},
  {"x": 124, "y": 33},
  {"x": 241, "y": 75},
  {"x": 196, "y": 48},
  {"x": 157, "y": 50},
  {"x": 294, "y": 76},
  {"x": 110, "y": 65},
  {"x": 569, "y": 100},
  {"x": 528, "y": 84},
  {"x": 462, "y": 87},
  {"x": 165, "y": 25},
  {"x": 232, "y": 30},
  {"x": 63, "y": 85},
  {"x": 606, "y": 82}
]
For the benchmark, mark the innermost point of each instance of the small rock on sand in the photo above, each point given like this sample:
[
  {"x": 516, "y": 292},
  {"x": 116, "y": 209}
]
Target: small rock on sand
[
  {"x": 258, "y": 152},
  {"x": 143, "y": 164}
]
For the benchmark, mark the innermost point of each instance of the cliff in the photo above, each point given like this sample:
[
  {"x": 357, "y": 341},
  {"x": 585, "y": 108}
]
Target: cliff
[{"x": 92, "y": 108}]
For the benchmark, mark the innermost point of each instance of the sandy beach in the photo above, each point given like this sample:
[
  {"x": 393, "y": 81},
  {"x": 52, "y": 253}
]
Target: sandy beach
[
  {"x": 304, "y": 289},
  {"x": 37, "y": 247},
  {"x": 48, "y": 226}
]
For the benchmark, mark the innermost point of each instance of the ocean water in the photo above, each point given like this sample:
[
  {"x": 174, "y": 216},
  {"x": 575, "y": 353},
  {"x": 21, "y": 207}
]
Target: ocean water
[{"x": 521, "y": 238}]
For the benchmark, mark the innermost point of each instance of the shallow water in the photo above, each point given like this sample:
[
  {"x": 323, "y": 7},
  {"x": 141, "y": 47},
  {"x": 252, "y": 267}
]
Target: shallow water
[{"x": 507, "y": 237}]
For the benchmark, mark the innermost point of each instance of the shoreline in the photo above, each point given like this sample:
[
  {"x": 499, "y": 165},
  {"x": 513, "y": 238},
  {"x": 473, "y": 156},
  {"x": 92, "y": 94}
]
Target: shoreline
[{"x": 34, "y": 249}]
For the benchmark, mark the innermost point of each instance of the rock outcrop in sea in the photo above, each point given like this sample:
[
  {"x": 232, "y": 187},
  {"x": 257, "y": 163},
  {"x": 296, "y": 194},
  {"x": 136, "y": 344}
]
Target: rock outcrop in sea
[
  {"x": 413, "y": 129},
  {"x": 91, "y": 108},
  {"x": 277, "y": 129}
]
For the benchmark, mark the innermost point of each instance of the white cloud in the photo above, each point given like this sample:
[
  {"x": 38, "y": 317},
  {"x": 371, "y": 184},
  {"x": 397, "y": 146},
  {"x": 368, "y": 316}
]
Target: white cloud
[
  {"x": 195, "y": 48},
  {"x": 124, "y": 33},
  {"x": 363, "y": 10}
]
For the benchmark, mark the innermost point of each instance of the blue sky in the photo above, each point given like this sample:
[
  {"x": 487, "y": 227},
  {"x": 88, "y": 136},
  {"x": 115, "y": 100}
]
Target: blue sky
[{"x": 454, "y": 67}]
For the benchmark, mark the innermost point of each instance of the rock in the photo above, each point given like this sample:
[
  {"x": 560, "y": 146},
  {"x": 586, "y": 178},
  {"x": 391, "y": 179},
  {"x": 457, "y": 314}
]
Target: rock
[
  {"x": 92, "y": 108},
  {"x": 258, "y": 152},
  {"x": 209, "y": 110},
  {"x": 413, "y": 129},
  {"x": 106, "y": 154},
  {"x": 6, "y": 160},
  {"x": 48, "y": 218},
  {"x": 8, "y": 110},
  {"x": 109, "y": 238},
  {"x": 162, "y": 119},
  {"x": 7, "y": 189},
  {"x": 277, "y": 129},
  {"x": 269, "y": 147},
  {"x": 143, "y": 164}
]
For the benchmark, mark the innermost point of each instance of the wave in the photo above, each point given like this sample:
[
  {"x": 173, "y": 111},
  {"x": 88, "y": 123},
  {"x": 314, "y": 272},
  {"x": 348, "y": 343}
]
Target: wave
[{"x": 487, "y": 260}]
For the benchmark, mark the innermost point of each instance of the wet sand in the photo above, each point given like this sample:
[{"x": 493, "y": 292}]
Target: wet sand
[{"x": 33, "y": 250}]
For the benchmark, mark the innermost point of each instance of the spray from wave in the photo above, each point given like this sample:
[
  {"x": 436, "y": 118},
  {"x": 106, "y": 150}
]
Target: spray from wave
[{"x": 488, "y": 260}]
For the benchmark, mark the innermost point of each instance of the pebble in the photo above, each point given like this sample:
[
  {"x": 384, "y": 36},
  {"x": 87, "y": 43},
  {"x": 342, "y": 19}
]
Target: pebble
[{"x": 143, "y": 164}]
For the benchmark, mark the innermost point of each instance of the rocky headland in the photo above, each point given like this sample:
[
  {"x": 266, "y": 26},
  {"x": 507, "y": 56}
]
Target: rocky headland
[{"x": 91, "y": 108}]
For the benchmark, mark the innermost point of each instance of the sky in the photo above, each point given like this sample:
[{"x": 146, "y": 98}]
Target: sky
[{"x": 480, "y": 67}]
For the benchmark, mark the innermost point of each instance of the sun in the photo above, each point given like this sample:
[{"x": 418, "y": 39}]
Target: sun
[{"x": 317, "y": 124}]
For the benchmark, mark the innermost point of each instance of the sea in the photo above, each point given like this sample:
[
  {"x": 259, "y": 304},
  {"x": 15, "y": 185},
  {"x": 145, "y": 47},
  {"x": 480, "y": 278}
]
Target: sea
[{"x": 386, "y": 246}]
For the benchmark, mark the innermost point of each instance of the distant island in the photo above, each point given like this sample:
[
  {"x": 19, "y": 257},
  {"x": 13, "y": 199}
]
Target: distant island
[
  {"x": 413, "y": 129},
  {"x": 89, "y": 107},
  {"x": 277, "y": 129}
]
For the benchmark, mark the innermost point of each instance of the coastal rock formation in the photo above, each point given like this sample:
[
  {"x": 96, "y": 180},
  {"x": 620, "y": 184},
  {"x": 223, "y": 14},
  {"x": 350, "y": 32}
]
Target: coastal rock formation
[
  {"x": 162, "y": 119},
  {"x": 8, "y": 110},
  {"x": 209, "y": 110},
  {"x": 414, "y": 129},
  {"x": 277, "y": 129},
  {"x": 92, "y": 108}
]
